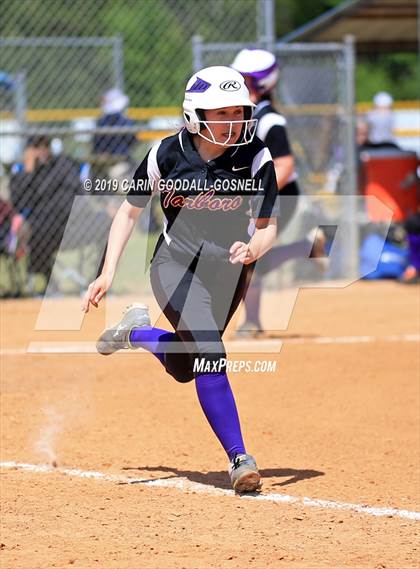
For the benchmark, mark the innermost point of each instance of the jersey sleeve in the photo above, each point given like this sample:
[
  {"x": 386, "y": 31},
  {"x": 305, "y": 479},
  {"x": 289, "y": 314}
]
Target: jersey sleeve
[
  {"x": 277, "y": 141},
  {"x": 146, "y": 179},
  {"x": 265, "y": 203}
]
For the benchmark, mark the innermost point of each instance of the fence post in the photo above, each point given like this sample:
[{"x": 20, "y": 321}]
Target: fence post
[
  {"x": 118, "y": 60},
  {"x": 266, "y": 24},
  {"x": 20, "y": 98},
  {"x": 352, "y": 247},
  {"x": 197, "y": 46},
  {"x": 21, "y": 104}
]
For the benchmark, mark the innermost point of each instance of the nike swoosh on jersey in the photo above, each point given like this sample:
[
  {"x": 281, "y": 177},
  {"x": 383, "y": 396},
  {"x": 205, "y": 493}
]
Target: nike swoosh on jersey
[{"x": 235, "y": 169}]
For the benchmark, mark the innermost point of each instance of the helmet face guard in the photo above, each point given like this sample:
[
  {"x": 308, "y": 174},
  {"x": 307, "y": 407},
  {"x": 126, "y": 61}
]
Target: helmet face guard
[{"x": 248, "y": 128}]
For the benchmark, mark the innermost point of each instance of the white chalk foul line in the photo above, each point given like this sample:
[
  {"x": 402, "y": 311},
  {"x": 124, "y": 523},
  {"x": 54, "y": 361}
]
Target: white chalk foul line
[
  {"x": 197, "y": 488},
  {"x": 263, "y": 345}
]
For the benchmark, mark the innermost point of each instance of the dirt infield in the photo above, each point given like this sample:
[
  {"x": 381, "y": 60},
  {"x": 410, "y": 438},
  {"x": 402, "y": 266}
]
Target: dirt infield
[{"x": 338, "y": 421}]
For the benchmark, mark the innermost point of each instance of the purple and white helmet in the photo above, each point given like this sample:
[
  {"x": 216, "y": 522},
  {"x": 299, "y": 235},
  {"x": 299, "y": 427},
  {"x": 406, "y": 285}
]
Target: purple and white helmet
[
  {"x": 259, "y": 66},
  {"x": 213, "y": 88}
]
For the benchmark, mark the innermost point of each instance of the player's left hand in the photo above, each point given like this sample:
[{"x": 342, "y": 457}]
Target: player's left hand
[{"x": 240, "y": 252}]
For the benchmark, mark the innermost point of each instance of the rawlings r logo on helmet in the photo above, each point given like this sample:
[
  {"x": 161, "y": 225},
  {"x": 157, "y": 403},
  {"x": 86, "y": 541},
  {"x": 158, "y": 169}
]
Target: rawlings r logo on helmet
[{"x": 230, "y": 86}]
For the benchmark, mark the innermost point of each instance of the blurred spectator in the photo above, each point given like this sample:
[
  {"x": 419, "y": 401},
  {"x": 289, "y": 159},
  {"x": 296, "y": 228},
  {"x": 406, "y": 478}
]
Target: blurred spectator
[
  {"x": 13, "y": 235},
  {"x": 6, "y": 216},
  {"x": 42, "y": 189},
  {"x": 364, "y": 137},
  {"x": 381, "y": 119},
  {"x": 112, "y": 152},
  {"x": 114, "y": 103},
  {"x": 362, "y": 133}
]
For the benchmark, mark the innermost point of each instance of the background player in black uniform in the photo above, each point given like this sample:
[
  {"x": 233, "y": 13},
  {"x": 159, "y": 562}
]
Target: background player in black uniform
[
  {"x": 209, "y": 176},
  {"x": 260, "y": 70}
]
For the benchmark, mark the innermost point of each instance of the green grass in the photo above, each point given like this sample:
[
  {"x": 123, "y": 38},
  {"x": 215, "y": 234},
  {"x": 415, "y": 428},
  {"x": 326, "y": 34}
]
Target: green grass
[{"x": 132, "y": 274}]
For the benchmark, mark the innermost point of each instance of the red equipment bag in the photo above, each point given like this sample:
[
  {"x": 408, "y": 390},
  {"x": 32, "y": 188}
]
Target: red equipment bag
[{"x": 391, "y": 176}]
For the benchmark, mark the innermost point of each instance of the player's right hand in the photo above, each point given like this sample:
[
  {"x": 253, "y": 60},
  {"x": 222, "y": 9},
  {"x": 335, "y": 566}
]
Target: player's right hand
[
  {"x": 96, "y": 290},
  {"x": 240, "y": 252}
]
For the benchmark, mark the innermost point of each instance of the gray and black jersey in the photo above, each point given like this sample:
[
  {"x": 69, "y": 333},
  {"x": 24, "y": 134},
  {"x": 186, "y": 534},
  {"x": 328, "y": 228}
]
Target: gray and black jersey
[{"x": 206, "y": 205}]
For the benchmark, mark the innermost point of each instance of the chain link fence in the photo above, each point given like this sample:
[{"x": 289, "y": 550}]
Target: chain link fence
[
  {"x": 311, "y": 93},
  {"x": 315, "y": 94},
  {"x": 87, "y": 86}
]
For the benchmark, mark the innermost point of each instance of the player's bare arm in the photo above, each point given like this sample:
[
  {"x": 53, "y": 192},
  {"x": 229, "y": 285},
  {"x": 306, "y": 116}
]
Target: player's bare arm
[
  {"x": 284, "y": 167},
  {"x": 261, "y": 242},
  {"x": 120, "y": 232}
]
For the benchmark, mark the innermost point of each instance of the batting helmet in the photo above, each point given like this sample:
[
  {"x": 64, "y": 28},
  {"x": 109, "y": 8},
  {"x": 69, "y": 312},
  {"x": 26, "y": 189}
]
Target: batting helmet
[
  {"x": 259, "y": 66},
  {"x": 213, "y": 88}
]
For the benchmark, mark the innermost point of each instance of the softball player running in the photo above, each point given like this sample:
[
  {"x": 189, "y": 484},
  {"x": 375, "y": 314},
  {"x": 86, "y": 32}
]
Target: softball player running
[
  {"x": 211, "y": 176},
  {"x": 260, "y": 71}
]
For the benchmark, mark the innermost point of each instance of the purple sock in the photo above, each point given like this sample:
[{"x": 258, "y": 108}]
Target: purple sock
[
  {"x": 150, "y": 338},
  {"x": 217, "y": 401},
  {"x": 414, "y": 244}
]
